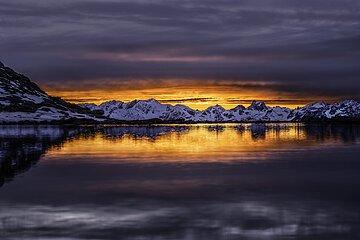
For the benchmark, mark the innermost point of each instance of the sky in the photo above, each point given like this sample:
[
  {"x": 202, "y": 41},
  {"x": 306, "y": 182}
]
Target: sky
[{"x": 197, "y": 53}]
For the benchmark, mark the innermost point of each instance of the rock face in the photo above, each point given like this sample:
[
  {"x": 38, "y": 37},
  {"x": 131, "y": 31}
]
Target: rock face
[{"x": 22, "y": 100}]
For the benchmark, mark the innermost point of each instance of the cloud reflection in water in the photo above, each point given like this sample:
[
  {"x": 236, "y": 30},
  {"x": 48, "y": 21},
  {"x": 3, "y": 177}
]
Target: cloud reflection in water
[{"x": 202, "y": 220}]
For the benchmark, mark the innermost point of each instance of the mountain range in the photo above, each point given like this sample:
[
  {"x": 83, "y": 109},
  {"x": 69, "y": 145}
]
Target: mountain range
[
  {"x": 22, "y": 101},
  {"x": 151, "y": 109}
]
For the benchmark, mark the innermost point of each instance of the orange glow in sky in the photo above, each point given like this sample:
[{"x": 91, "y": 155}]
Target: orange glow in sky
[{"x": 195, "y": 96}]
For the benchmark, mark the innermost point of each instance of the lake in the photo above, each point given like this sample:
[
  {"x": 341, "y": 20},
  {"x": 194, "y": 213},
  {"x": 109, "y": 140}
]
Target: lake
[{"x": 193, "y": 182}]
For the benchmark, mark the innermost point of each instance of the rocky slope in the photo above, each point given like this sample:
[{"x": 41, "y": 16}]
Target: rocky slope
[{"x": 22, "y": 101}]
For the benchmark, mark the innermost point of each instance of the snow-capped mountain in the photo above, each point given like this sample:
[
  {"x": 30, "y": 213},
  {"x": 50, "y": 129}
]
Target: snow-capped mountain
[
  {"x": 152, "y": 109},
  {"x": 140, "y": 110},
  {"x": 22, "y": 100},
  {"x": 348, "y": 109}
]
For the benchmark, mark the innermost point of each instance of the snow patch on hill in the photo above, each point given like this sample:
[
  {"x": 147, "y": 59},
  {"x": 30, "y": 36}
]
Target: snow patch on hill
[{"x": 22, "y": 100}]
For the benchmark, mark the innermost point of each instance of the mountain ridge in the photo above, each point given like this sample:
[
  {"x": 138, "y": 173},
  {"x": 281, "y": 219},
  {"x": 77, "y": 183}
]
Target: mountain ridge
[
  {"x": 146, "y": 110},
  {"x": 22, "y": 101}
]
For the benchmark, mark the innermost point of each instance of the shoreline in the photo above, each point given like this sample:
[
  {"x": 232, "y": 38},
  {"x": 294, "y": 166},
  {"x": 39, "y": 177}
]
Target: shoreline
[{"x": 151, "y": 123}]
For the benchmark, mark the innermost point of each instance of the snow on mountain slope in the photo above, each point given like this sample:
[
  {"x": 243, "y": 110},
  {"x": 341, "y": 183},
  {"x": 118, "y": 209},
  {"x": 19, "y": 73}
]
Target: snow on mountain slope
[
  {"x": 15, "y": 87},
  {"x": 213, "y": 114},
  {"x": 22, "y": 100},
  {"x": 152, "y": 109},
  {"x": 135, "y": 110},
  {"x": 256, "y": 112},
  {"x": 180, "y": 113},
  {"x": 348, "y": 109}
]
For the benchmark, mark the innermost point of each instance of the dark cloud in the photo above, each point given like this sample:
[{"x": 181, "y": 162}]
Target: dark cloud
[{"x": 305, "y": 47}]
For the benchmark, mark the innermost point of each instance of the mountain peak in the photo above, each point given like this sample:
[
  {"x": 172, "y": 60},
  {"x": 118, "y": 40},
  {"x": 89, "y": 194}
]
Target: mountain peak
[
  {"x": 316, "y": 105},
  {"x": 349, "y": 101},
  {"x": 1, "y": 64},
  {"x": 237, "y": 108},
  {"x": 258, "y": 105},
  {"x": 216, "y": 107},
  {"x": 152, "y": 100}
]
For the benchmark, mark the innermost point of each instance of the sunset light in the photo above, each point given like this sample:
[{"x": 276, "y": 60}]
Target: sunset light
[
  {"x": 196, "y": 96},
  {"x": 179, "y": 119}
]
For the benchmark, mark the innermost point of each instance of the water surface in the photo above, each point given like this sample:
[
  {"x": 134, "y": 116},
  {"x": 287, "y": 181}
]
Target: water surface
[{"x": 274, "y": 181}]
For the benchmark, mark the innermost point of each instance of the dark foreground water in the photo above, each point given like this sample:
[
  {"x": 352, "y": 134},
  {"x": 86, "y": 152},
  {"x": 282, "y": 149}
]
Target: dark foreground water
[{"x": 287, "y": 181}]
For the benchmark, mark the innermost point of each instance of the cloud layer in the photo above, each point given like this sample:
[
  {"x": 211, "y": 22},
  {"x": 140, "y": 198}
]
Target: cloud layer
[{"x": 304, "y": 48}]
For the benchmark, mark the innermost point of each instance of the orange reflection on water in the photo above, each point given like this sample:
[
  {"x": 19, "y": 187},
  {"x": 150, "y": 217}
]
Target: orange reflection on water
[{"x": 192, "y": 143}]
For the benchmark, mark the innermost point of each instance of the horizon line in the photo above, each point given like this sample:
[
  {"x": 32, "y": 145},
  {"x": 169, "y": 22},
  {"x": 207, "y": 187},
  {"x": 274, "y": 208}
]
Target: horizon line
[{"x": 249, "y": 101}]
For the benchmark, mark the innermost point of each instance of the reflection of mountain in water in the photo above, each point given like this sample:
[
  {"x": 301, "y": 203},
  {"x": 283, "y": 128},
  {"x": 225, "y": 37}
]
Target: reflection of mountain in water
[
  {"x": 216, "y": 128},
  {"x": 22, "y": 146},
  {"x": 140, "y": 131},
  {"x": 320, "y": 132}
]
